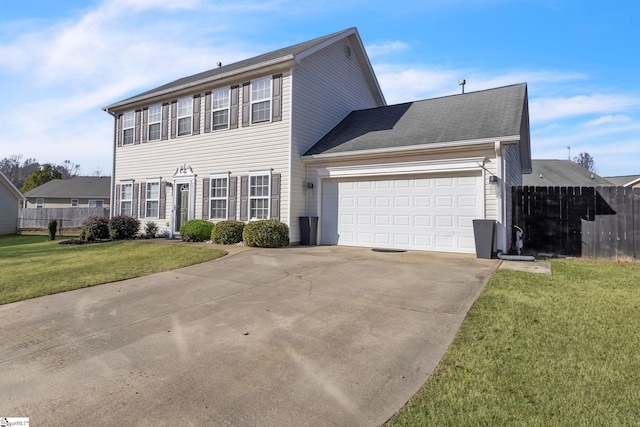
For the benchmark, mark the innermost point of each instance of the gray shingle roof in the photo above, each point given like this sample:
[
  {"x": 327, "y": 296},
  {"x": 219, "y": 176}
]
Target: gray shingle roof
[
  {"x": 562, "y": 173},
  {"x": 275, "y": 56},
  {"x": 76, "y": 187},
  {"x": 491, "y": 113},
  {"x": 624, "y": 180}
]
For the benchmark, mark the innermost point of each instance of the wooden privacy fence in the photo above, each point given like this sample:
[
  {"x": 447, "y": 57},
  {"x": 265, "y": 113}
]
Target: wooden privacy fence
[
  {"x": 593, "y": 222},
  {"x": 30, "y": 218}
]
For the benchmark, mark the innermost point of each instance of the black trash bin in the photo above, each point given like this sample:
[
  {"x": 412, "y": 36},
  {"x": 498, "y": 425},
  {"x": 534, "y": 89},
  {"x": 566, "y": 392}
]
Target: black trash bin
[
  {"x": 308, "y": 230},
  {"x": 484, "y": 232}
]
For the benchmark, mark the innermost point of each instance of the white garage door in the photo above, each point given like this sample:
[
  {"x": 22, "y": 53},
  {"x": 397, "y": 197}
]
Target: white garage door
[{"x": 432, "y": 213}]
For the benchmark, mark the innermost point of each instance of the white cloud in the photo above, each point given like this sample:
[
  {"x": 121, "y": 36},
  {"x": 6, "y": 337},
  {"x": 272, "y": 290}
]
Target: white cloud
[
  {"x": 387, "y": 48},
  {"x": 609, "y": 119},
  {"x": 545, "y": 109}
]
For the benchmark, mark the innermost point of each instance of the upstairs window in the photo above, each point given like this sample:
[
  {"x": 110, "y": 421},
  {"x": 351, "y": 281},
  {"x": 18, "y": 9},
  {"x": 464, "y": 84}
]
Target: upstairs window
[
  {"x": 153, "y": 199},
  {"x": 185, "y": 110},
  {"x": 220, "y": 107},
  {"x": 126, "y": 199},
  {"x": 261, "y": 100},
  {"x": 219, "y": 196},
  {"x": 259, "y": 196},
  {"x": 128, "y": 124},
  {"x": 155, "y": 119}
]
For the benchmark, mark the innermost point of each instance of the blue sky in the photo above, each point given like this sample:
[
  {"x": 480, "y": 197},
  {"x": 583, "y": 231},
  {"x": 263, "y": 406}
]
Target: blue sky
[{"x": 60, "y": 62}]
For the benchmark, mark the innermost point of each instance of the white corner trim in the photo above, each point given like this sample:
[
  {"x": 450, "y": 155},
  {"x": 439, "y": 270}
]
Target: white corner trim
[{"x": 431, "y": 166}]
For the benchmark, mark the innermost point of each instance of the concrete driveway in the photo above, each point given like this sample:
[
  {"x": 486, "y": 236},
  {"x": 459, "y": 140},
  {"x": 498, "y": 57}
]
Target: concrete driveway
[{"x": 272, "y": 337}]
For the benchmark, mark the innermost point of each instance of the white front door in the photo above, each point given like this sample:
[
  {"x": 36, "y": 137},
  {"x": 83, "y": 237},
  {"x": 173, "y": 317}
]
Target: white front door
[{"x": 426, "y": 212}]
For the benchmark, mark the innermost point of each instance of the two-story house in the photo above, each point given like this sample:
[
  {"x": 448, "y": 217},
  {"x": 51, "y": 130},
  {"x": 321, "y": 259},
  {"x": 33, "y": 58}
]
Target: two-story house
[{"x": 305, "y": 131}]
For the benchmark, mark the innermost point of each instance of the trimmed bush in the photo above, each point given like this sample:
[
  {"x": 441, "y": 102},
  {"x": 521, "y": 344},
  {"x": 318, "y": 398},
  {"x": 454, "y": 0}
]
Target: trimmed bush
[
  {"x": 151, "y": 230},
  {"x": 53, "y": 228},
  {"x": 227, "y": 232},
  {"x": 124, "y": 227},
  {"x": 267, "y": 233},
  {"x": 196, "y": 230},
  {"x": 95, "y": 228}
]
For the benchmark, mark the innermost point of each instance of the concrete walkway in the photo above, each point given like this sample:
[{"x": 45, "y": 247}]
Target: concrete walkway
[{"x": 271, "y": 337}]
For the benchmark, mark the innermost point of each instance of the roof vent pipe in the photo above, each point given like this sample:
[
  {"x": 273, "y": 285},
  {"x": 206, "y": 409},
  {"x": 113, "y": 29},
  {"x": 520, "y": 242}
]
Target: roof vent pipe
[{"x": 462, "y": 82}]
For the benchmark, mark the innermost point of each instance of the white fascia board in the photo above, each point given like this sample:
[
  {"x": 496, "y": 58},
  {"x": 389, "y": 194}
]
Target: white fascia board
[
  {"x": 631, "y": 183},
  {"x": 410, "y": 149},
  {"x": 403, "y": 168},
  {"x": 299, "y": 57},
  {"x": 222, "y": 76}
]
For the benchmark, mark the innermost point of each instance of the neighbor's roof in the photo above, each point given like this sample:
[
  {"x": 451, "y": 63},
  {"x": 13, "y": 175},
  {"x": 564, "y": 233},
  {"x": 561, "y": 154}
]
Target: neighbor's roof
[
  {"x": 76, "y": 187},
  {"x": 624, "y": 181},
  {"x": 562, "y": 173},
  {"x": 493, "y": 113},
  {"x": 294, "y": 52}
]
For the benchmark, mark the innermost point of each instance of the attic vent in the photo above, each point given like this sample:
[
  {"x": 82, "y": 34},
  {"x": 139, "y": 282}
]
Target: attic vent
[{"x": 347, "y": 51}]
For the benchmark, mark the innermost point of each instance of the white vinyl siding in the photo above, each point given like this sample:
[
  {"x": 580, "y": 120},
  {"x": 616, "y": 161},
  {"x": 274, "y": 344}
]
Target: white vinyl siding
[
  {"x": 220, "y": 99},
  {"x": 155, "y": 121},
  {"x": 185, "y": 110},
  {"x": 261, "y": 100},
  {"x": 9, "y": 203},
  {"x": 128, "y": 127}
]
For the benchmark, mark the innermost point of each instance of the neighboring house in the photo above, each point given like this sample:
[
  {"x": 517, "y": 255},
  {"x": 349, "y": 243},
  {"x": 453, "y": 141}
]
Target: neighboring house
[
  {"x": 10, "y": 198},
  {"x": 632, "y": 181},
  {"x": 562, "y": 173},
  {"x": 76, "y": 192},
  {"x": 304, "y": 131}
]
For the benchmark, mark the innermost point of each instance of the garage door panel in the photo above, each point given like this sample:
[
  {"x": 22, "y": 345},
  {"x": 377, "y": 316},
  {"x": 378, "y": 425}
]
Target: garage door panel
[{"x": 422, "y": 212}]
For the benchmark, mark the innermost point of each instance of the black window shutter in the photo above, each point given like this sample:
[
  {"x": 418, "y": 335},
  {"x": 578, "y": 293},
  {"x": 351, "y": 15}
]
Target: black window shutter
[
  {"x": 233, "y": 197},
  {"x": 205, "y": 198},
  {"x": 207, "y": 112},
  {"x": 165, "y": 122},
  {"x": 119, "y": 130},
  {"x": 233, "y": 113},
  {"x": 116, "y": 208},
  {"x": 244, "y": 198},
  {"x": 196, "y": 114},
  {"x": 137, "y": 130},
  {"x": 276, "y": 114},
  {"x": 246, "y": 103},
  {"x": 134, "y": 201},
  {"x": 145, "y": 128},
  {"x": 143, "y": 199},
  {"x": 174, "y": 115},
  {"x": 275, "y": 196},
  {"x": 162, "y": 208}
]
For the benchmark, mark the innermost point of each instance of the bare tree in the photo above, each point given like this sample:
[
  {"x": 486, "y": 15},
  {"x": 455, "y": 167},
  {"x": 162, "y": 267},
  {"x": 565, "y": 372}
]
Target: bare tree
[
  {"x": 585, "y": 160},
  {"x": 68, "y": 169},
  {"x": 16, "y": 170}
]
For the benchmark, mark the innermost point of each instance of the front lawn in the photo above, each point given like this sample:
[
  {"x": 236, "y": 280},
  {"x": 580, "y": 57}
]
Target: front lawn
[
  {"x": 542, "y": 350},
  {"x": 32, "y": 266}
]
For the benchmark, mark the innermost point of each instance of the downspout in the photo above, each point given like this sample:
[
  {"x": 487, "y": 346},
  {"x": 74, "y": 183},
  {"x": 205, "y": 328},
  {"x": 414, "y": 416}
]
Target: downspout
[{"x": 502, "y": 188}]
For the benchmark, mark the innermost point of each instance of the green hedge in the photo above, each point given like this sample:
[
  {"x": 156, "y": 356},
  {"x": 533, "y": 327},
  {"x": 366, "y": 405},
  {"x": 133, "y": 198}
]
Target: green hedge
[
  {"x": 268, "y": 233},
  {"x": 227, "y": 232},
  {"x": 196, "y": 230}
]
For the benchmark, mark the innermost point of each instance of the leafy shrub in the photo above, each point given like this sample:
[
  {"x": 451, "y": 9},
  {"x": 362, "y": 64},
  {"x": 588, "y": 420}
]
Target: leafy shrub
[
  {"x": 268, "y": 233},
  {"x": 124, "y": 227},
  {"x": 196, "y": 230},
  {"x": 151, "y": 230},
  {"x": 227, "y": 232},
  {"x": 53, "y": 228},
  {"x": 95, "y": 228}
]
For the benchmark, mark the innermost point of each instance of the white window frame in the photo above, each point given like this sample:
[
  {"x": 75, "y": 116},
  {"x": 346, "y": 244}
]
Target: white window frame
[
  {"x": 39, "y": 203},
  {"x": 96, "y": 203},
  {"x": 217, "y": 197},
  {"x": 261, "y": 94},
  {"x": 184, "y": 114},
  {"x": 156, "y": 122},
  {"x": 253, "y": 176},
  {"x": 128, "y": 127},
  {"x": 124, "y": 200},
  {"x": 74, "y": 203},
  {"x": 219, "y": 105},
  {"x": 151, "y": 199}
]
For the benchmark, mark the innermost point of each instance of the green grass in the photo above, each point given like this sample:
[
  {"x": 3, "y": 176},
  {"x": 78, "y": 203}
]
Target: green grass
[
  {"x": 33, "y": 266},
  {"x": 542, "y": 350}
]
